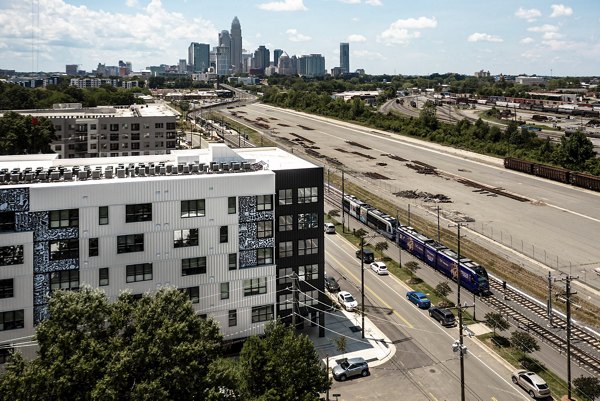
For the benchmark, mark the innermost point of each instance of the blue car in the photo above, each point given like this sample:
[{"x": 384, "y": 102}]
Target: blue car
[{"x": 419, "y": 299}]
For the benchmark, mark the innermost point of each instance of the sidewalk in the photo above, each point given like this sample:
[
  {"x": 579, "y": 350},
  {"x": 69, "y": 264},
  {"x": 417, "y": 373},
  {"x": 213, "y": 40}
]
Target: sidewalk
[{"x": 375, "y": 348}]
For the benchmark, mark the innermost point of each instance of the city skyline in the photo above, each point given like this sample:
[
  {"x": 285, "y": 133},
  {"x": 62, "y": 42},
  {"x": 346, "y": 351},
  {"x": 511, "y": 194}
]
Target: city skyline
[{"x": 385, "y": 37}]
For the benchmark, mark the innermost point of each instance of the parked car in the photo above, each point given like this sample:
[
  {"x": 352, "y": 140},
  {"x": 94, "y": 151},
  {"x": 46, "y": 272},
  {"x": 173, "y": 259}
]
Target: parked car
[
  {"x": 329, "y": 228},
  {"x": 331, "y": 284},
  {"x": 379, "y": 268},
  {"x": 347, "y": 300},
  {"x": 367, "y": 255},
  {"x": 532, "y": 383},
  {"x": 419, "y": 299},
  {"x": 443, "y": 315},
  {"x": 349, "y": 368}
]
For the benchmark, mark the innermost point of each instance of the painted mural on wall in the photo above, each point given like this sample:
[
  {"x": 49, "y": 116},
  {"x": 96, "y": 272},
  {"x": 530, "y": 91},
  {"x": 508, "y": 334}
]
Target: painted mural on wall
[
  {"x": 14, "y": 200},
  {"x": 248, "y": 233}
]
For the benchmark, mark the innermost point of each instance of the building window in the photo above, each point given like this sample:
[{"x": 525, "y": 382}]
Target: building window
[
  {"x": 193, "y": 266},
  {"x": 7, "y": 221},
  {"x": 183, "y": 238},
  {"x": 139, "y": 212},
  {"x": 64, "y": 218},
  {"x": 64, "y": 249},
  {"x": 286, "y": 223},
  {"x": 7, "y": 288},
  {"x": 159, "y": 125},
  {"x": 193, "y": 293},
  {"x": 286, "y": 249},
  {"x": 103, "y": 215},
  {"x": 264, "y": 256},
  {"x": 130, "y": 243},
  {"x": 114, "y": 127},
  {"x": 307, "y": 220},
  {"x": 223, "y": 235},
  {"x": 308, "y": 298},
  {"x": 262, "y": 313},
  {"x": 224, "y": 290},
  {"x": 139, "y": 272},
  {"x": 103, "y": 276},
  {"x": 264, "y": 229},
  {"x": 286, "y": 301},
  {"x": 285, "y": 196},
  {"x": 308, "y": 272},
  {"x": 232, "y": 261},
  {"x": 255, "y": 286},
  {"x": 135, "y": 145},
  {"x": 308, "y": 195},
  {"x": 93, "y": 247},
  {"x": 232, "y": 317},
  {"x": 231, "y": 205},
  {"x": 308, "y": 246},
  {"x": 11, "y": 255},
  {"x": 285, "y": 275},
  {"x": 171, "y": 144},
  {"x": 11, "y": 320},
  {"x": 193, "y": 208},
  {"x": 135, "y": 126},
  {"x": 171, "y": 125},
  {"x": 264, "y": 202},
  {"x": 64, "y": 280}
]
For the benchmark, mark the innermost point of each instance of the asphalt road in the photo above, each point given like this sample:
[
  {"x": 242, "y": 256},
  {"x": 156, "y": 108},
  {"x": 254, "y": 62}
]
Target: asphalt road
[
  {"x": 424, "y": 366},
  {"x": 557, "y": 226}
]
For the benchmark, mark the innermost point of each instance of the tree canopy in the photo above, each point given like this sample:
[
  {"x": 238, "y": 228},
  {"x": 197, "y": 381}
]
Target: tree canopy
[{"x": 21, "y": 134}]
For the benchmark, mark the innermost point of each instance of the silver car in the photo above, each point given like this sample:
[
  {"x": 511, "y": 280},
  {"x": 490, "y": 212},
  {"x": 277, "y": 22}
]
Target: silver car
[
  {"x": 532, "y": 383},
  {"x": 349, "y": 368}
]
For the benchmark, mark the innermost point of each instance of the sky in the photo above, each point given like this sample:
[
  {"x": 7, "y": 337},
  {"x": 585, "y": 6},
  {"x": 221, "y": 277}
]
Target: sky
[{"x": 410, "y": 37}]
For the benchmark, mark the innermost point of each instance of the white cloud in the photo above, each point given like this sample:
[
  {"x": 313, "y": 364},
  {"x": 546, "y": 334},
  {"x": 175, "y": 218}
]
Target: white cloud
[
  {"x": 551, "y": 35},
  {"x": 543, "y": 28},
  {"x": 483, "y": 37},
  {"x": 356, "y": 38},
  {"x": 374, "y": 2},
  {"x": 285, "y": 5},
  {"x": 403, "y": 30},
  {"x": 368, "y": 54},
  {"x": 295, "y": 36},
  {"x": 350, "y": 1},
  {"x": 526, "y": 40},
  {"x": 530, "y": 15},
  {"x": 560, "y": 10},
  {"x": 132, "y": 3}
]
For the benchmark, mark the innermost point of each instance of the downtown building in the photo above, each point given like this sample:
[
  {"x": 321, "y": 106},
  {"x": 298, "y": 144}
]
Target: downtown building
[
  {"x": 236, "y": 230},
  {"x": 107, "y": 131}
]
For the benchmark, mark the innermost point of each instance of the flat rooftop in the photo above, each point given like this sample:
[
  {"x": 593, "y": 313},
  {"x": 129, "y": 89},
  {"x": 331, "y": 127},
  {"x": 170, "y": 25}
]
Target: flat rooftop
[{"x": 136, "y": 110}]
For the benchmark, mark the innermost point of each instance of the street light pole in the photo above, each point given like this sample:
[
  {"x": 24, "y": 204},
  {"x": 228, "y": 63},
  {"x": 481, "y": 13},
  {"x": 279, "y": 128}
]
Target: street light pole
[
  {"x": 362, "y": 284},
  {"x": 456, "y": 274}
]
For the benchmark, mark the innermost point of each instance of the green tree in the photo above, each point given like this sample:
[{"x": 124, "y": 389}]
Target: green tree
[
  {"x": 587, "y": 388},
  {"x": 281, "y": 366},
  {"x": 443, "y": 289},
  {"x": 575, "y": 150},
  {"x": 428, "y": 117},
  {"x": 381, "y": 246},
  {"x": 496, "y": 321},
  {"x": 21, "y": 134},
  {"x": 90, "y": 349},
  {"x": 523, "y": 342}
]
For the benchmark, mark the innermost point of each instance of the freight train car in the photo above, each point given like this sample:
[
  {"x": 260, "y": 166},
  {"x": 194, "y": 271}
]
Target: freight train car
[
  {"x": 587, "y": 181},
  {"x": 552, "y": 173},
  {"x": 519, "y": 165}
]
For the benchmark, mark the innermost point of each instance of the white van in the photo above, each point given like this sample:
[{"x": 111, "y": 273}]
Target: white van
[{"x": 329, "y": 228}]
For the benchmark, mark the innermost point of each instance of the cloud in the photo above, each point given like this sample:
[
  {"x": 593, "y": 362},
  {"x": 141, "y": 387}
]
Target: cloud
[
  {"x": 369, "y": 2},
  {"x": 543, "y": 28},
  {"x": 295, "y": 36},
  {"x": 356, "y": 38},
  {"x": 350, "y": 1},
  {"x": 132, "y": 3},
  {"x": 403, "y": 30},
  {"x": 551, "y": 35},
  {"x": 368, "y": 54},
  {"x": 526, "y": 40},
  {"x": 285, "y": 5},
  {"x": 530, "y": 15},
  {"x": 560, "y": 10},
  {"x": 484, "y": 37}
]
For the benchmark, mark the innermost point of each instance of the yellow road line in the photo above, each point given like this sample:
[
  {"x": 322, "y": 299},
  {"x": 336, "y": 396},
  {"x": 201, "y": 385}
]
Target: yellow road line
[
  {"x": 433, "y": 396},
  {"x": 494, "y": 399},
  {"x": 410, "y": 326}
]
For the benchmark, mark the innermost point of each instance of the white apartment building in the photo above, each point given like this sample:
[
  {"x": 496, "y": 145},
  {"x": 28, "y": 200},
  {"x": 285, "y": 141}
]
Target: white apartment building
[{"x": 228, "y": 227}]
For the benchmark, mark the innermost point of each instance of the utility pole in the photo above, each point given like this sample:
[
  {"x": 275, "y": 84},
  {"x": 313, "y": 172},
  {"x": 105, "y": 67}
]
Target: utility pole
[
  {"x": 294, "y": 299},
  {"x": 399, "y": 246},
  {"x": 550, "y": 300},
  {"x": 438, "y": 216},
  {"x": 362, "y": 284},
  {"x": 567, "y": 280},
  {"x": 343, "y": 214},
  {"x": 409, "y": 214},
  {"x": 456, "y": 274}
]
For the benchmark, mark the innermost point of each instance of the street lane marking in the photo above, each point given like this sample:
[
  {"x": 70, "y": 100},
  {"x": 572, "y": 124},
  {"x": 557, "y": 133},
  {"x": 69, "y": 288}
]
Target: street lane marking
[
  {"x": 410, "y": 326},
  {"x": 433, "y": 396}
]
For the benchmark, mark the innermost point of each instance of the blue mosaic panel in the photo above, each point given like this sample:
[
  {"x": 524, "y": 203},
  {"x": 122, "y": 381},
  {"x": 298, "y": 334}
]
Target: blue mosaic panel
[
  {"x": 248, "y": 259},
  {"x": 248, "y": 212},
  {"x": 41, "y": 288},
  {"x": 40, "y": 313},
  {"x": 31, "y": 221},
  {"x": 14, "y": 200}
]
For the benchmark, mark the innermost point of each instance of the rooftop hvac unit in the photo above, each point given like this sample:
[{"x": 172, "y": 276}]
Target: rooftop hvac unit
[
  {"x": 201, "y": 167},
  {"x": 142, "y": 172},
  {"x": 236, "y": 166},
  {"x": 55, "y": 175},
  {"x": 68, "y": 175},
  {"x": 185, "y": 169},
  {"x": 215, "y": 167},
  {"x": 180, "y": 168},
  {"x": 42, "y": 175},
  {"x": 163, "y": 170},
  {"x": 121, "y": 173},
  {"x": 108, "y": 173},
  {"x": 169, "y": 168},
  {"x": 225, "y": 167},
  {"x": 15, "y": 177},
  {"x": 195, "y": 168},
  {"x": 28, "y": 177},
  {"x": 96, "y": 174},
  {"x": 82, "y": 175}
]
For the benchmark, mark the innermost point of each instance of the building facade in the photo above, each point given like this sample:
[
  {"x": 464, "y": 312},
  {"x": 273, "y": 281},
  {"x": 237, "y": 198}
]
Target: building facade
[
  {"x": 262, "y": 58},
  {"x": 222, "y": 60},
  {"x": 345, "y": 57},
  {"x": 232, "y": 229},
  {"x": 110, "y": 131},
  {"x": 236, "y": 45},
  {"x": 199, "y": 57},
  {"x": 312, "y": 65}
]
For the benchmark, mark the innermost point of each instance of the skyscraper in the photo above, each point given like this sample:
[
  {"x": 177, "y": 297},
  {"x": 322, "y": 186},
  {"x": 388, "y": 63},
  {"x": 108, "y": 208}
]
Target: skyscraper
[
  {"x": 345, "y": 57},
  {"x": 276, "y": 54},
  {"x": 262, "y": 58},
  {"x": 199, "y": 56},
  {"x": 236, "y": 45}
]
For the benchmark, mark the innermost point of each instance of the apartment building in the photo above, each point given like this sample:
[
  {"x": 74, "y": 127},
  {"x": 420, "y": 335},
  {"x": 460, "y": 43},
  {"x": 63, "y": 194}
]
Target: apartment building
[{"x": 237, "y": 230}]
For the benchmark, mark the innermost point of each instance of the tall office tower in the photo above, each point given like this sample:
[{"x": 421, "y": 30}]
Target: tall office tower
[
  {"x": 222, "y": 60},
  {"x": 262, "y": 57},
  {"x": 276, "y": 54},
  {"x": 284, "y": 65},
  {"x": 71, "y": 69},
  {"x": 182, "y": 66},
  {"x": 236, "y": 45},
  {"x": 199, "y": 56},
  {"x": 312, "y": 65},
  {"x": 345, "y": 57}
]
